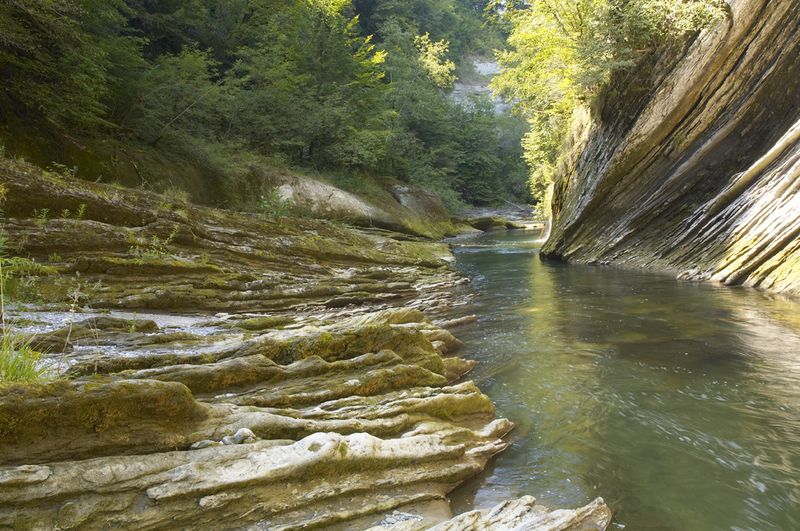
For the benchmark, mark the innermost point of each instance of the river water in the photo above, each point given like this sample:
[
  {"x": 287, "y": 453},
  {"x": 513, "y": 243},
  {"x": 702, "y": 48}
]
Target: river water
[{"x": 679, "y": 403}]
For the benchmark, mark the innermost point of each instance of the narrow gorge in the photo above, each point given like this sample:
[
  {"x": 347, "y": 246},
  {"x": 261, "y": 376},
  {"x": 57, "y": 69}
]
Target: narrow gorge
[
  {"x": 237, "y": 373},
  {"x": 445, "y": 265}
]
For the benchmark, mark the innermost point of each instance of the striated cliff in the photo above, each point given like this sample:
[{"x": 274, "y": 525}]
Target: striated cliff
[{"x": 699, "y": 177}]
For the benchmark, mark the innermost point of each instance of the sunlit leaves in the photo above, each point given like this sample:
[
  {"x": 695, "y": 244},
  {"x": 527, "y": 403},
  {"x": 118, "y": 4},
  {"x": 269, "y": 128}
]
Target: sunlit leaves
[
  {"x": 562, "y": 51},
  {"x": 433, "y": 58}
]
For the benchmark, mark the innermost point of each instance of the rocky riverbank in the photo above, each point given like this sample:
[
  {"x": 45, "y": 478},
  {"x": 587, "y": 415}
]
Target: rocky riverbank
[{"x": 219, "y": 369}]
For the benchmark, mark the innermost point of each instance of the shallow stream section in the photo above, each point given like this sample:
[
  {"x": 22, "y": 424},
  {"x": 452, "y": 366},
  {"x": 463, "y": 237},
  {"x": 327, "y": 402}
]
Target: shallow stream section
[{"x": 678, "y": 402}]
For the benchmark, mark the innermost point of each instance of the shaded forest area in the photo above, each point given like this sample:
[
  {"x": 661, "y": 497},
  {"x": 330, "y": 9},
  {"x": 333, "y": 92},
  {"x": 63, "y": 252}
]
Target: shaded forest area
[{"x": 207, "y": 95}]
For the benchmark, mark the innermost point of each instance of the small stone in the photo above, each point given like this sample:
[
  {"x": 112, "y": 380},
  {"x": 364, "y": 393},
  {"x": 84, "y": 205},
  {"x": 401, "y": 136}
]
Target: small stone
[
  {"x": 397, "y": 517},
  {"x": 242, "y": 436}
]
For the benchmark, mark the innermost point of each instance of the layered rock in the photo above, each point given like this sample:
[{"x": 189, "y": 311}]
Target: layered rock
[
  {"x": 701, "y": 177},
  {"x": 318, "y": 394},
  {"x": 519, "y": 515},
  {"x": 131, "y": 249},
  {"x": 407, "y": 209},
  {"x": 282, "y": 429}
]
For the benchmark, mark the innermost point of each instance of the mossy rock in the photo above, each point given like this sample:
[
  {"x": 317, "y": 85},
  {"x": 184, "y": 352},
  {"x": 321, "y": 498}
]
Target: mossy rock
[
  {"x": 118, "y": 324},
  {"x": 95, "y": 417},
  {"x": 257, "y": 324},
  {"x": 489, "y": 223}
]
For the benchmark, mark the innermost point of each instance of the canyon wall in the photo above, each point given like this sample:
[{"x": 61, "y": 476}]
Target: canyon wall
[{"x": 699, "y": 177}]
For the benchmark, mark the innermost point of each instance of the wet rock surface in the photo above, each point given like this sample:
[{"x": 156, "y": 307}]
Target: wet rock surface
[
  {"x": 311, "y": 426},
  {"x": 509, "y": 217},
  {"x": 700, "y": 177},
  {"x": 223, "y": 371},
  {"x": 519, "y": 514}
]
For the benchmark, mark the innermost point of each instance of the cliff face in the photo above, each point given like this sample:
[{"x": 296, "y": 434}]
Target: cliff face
[{"x": 701, "y": 178}]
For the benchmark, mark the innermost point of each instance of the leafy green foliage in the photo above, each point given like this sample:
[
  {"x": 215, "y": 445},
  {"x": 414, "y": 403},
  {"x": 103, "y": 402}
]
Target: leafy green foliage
[
  {"x": 19, "y": 362},
  {"x": 314, "y": 91},
  {"x": 458, "y": 150},
  {"x": 65, "y": 58},
  {"x": 561, "y": 53},
  {"x": 432, "y": 58},
  {"x": 153, "y": 248},
  {"x": 220, "y": 86},
  {"x": 272, "y": 205},
  {"x": 178, "y": 95},
  {"x": 458, "y": 22}
]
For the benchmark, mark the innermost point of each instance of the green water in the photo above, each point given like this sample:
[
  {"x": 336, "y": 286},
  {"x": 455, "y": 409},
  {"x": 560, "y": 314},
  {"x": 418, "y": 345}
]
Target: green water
[{"x": 679, "y": 403}]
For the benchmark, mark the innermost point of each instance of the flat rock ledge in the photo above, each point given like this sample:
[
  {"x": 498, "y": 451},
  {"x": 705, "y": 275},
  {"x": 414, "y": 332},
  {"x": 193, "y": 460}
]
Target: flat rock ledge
[
  {"x": 360, "y": 418},
  {"x": 222, "y": 371},
  {"x": 286, "y": 429}
]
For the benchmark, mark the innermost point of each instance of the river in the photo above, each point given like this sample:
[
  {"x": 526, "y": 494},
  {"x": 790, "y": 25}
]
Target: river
[{"x": 677, "y": 402}]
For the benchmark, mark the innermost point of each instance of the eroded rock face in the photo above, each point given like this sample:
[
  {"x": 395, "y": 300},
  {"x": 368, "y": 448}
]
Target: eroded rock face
[
  {"x": 122, "y": 248},
  {"x": 319, "y": 396},
  {"x": 311, "y": 426},
  {"x": 420, "y": 201},
  {"x": 406, "y": 209},
  {"x": 701, "y": 178}
]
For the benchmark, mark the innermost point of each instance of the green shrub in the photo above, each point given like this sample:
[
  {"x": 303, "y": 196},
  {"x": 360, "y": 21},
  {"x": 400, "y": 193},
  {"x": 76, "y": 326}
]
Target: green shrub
[
  {"x": 41, "y": 217},
  {"x": 154, "y": 248},
  {"x": 62, "y": 171},
  {"x": 174, "y": 198},
  {"x": 19, "y": 362},
  {"x": 273, "y": 206}
]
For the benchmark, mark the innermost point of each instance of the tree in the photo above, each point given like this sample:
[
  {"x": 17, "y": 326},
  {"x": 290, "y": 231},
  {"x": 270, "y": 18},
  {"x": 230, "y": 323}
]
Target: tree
[
  {"x": 561, "y": 53},
  {"x": 62, "y": 61},
  {"x": 213, "y": 85},
  {"x": 309, "y": 84}
]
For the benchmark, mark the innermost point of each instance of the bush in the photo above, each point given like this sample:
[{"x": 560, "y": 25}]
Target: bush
[
  {"x": 273, "y": 205},
  {"x": 174, "y": 198}
]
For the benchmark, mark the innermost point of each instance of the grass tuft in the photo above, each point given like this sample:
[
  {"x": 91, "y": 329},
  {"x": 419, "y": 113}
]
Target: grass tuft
[{"x": 19, "y": 362}]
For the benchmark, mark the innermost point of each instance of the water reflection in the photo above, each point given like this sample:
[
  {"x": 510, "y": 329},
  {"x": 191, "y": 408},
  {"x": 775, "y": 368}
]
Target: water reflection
[{"x": 677, "y": 402}]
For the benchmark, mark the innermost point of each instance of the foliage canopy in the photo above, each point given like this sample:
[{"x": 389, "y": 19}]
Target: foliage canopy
[
  {"x": 220, "y": 85},
  {"x": 561, "y": 52}
]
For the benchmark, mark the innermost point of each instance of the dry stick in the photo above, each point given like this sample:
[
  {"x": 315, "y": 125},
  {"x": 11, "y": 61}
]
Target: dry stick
[{"x": 74, "y": 298}]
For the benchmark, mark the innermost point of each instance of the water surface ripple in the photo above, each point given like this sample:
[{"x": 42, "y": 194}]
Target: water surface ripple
[{"x": 679, "y": 403}]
